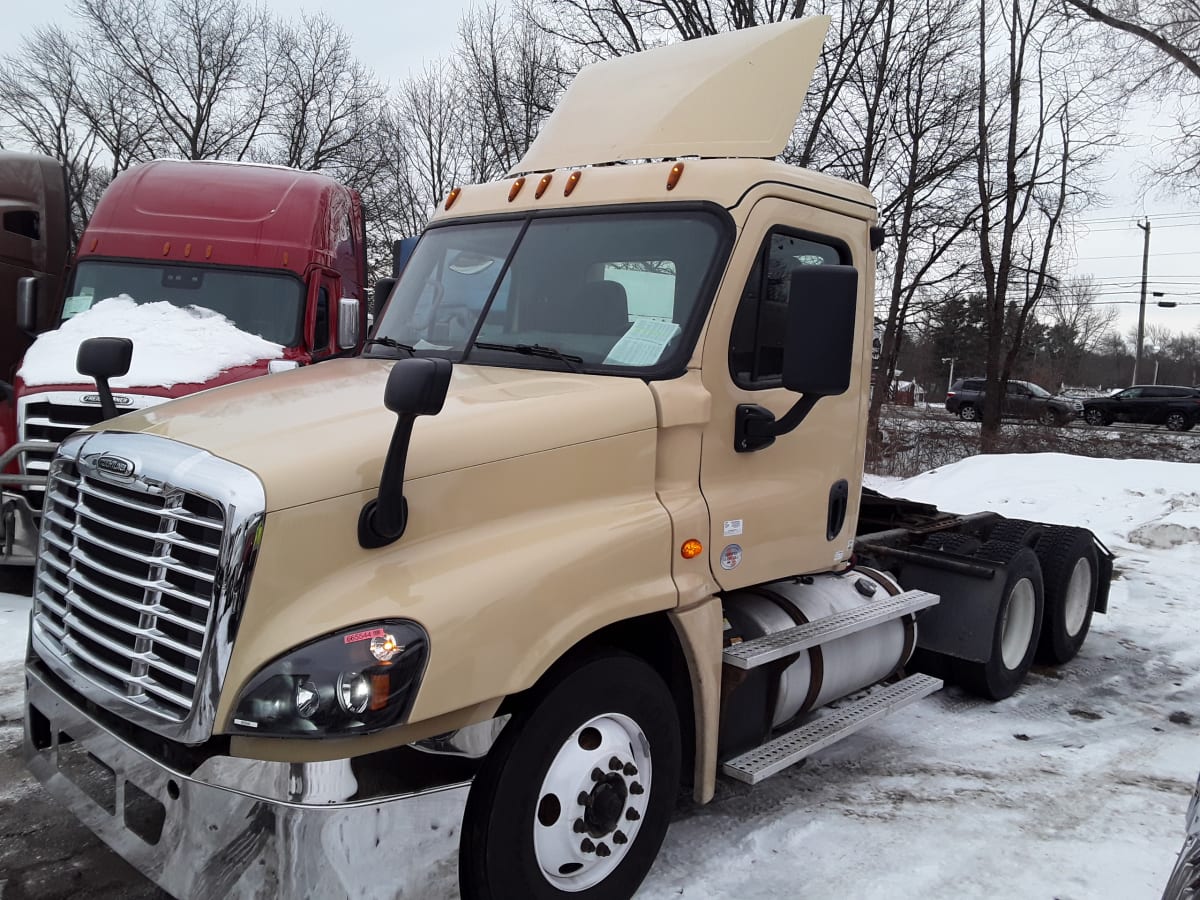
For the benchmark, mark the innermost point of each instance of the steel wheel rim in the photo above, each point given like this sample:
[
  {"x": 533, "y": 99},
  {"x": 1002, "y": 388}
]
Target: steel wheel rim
[
  {"x": 1078, "y": 597},
  {"x": 592, "y": 802},
  {"x": 1016, "y": 631}
]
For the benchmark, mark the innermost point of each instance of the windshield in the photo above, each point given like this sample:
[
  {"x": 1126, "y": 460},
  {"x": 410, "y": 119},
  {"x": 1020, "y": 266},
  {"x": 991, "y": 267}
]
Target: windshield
[
  {"x": 611, "y": 291},
  {"x": 267, "y": 304},
  {"x": 1035, "y": 390}
]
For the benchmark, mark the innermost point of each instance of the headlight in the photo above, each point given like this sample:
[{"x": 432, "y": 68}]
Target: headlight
[{"x": 351, "y": 682}]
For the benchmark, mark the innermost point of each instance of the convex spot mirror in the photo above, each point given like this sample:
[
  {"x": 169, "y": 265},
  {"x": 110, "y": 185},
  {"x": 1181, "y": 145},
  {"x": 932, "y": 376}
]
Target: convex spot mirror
[{"x": 819, "y": 352}]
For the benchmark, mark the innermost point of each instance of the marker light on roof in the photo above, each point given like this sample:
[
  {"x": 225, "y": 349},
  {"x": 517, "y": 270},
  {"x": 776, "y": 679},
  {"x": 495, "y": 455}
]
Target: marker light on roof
[
  {"x": 453, "y": 195},
  {"x": 673, "y": 177},
  {"x": 542, "y": 185},
  {"x": 572, "y": 180},
  {"x": 515, "y": 189}
]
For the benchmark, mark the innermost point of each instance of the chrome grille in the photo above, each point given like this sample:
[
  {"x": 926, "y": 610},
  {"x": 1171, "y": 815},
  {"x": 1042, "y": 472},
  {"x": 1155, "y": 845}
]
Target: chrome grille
[{"x": 125, "y": 591}]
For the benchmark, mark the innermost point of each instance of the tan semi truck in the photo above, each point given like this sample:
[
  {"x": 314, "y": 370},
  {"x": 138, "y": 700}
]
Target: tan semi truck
[{"x": 582, "y": 527}]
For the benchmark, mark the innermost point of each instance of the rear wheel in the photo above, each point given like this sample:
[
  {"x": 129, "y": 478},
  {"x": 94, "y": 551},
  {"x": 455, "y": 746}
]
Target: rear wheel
[
  {"x": 1070, "y": 567},
  {"x": 968, "y": 413},
  {"x": 575, "y": 797},
  {"x": 1177, "y": 421},
  {"x": 1095, "y": 417},
  {"x": 1015, "y": 631}
]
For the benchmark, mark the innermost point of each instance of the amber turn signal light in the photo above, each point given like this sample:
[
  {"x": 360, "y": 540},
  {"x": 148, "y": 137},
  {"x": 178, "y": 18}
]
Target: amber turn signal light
[
  {"x": 691, "y": 549},
  {"x": 673, "y": 176}
]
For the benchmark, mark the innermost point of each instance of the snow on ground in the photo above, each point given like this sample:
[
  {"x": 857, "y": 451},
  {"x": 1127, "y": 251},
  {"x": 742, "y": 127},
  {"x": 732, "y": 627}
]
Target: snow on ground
[
  {"x": 171, "y": 344},
  {"x": 1074, "y": 788}
]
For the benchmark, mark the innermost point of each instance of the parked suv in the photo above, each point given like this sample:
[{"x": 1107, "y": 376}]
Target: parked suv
[
  {"x": 1153, "y": 404},
  {"x": 1023, "y": 400}
]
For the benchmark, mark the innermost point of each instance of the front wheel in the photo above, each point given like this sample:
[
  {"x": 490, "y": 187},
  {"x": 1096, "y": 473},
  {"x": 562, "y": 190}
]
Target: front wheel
[
  {"x": 1095, "y": 417},
  {"x": 575, "y": 797},
  {"x": 1049, "y": 417}
]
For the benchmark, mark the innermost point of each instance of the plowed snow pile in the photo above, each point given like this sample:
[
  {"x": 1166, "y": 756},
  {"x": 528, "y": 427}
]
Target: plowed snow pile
[
  {"x": 171, "y": 344},
  {"x": 1074, "y": 788}
]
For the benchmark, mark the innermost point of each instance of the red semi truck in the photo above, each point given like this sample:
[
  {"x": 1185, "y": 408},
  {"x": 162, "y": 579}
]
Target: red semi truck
[{"x": 280, "y": 253}]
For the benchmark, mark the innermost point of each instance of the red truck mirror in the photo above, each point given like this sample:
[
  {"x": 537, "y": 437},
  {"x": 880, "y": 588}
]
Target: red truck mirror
[
  {"x": 416, "y": 386},
  {"x": 103, "y": 358}
]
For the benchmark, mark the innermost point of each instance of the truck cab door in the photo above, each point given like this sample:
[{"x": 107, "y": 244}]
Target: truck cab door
[{"x": 790, "y": 507}]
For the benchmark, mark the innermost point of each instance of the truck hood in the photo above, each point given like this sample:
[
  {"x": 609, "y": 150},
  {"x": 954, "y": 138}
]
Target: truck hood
[{"x": 323, "y": 431}]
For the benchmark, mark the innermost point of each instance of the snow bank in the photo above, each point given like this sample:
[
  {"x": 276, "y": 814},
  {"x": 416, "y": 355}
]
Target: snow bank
[
  {"x": 171, "y": 345},
  {"x": 1131, "y": 504}
]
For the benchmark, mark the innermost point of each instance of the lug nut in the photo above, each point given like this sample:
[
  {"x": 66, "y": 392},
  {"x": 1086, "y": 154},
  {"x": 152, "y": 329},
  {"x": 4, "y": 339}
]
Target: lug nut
[
  {"x": 632, "y": 814},
  {"x": 587, "y": 846},
  {"x": 580, "y": 826},
  {"x": 630, "y": 769},
  {"x": 619, "y": 838},
  {"x": 584, "y": 797},
  {"x": 597, "y": 774},
  {"x": 636, "y": 788},
  {"x": 614, "y": 764},
  {"x": 603, "y": 850}
]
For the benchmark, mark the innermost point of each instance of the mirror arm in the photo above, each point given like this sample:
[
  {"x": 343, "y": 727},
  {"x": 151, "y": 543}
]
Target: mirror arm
[
  {"x": 380, "y": 525},
  {"x": 108, "y": 406},
  {"x": 755, "y": 427}
]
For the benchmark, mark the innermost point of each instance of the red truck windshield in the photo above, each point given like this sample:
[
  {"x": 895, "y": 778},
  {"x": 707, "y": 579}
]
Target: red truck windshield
[{"x": 267, "y": 304}]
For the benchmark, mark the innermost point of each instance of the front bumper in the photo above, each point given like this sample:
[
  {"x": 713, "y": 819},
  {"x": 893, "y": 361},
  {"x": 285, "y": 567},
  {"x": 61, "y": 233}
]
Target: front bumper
[{"x": 241, "y": 828}]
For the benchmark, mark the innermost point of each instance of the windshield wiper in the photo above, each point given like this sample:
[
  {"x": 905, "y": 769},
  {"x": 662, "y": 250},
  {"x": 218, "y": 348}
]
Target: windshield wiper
[
  {"x": 534, "y": 350},
  {"x": 389, "y": 342}
]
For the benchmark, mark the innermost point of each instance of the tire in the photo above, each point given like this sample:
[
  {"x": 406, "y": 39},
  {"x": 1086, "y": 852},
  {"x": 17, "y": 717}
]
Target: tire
[
  {"x": 968, "y": 413},
  {"x": 1017, "y": 626},
  {"x": 602, "y": 730},
  {"x": 1070, "y": 573},
  {"x": 1096, "y": 417},
  {"x": 1016, "y": 531},
  {"x": 1176, "y": 421},
  {"x": 1049, "y": 418}
]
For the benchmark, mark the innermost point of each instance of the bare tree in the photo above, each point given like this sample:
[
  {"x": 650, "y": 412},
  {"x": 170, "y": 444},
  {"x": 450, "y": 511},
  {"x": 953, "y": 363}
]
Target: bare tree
[
  {"x": 1041, "y": 126},
  {"x": 40, "y": 105},
  {"x": 1169, "y": 30},
  {"x": 200, "y": 67},
  {"x": 325, "y": 99}
]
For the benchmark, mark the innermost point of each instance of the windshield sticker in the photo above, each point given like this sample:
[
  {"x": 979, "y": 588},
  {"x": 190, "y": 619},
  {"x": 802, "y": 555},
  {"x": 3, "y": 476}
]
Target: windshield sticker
[
  {"x": 74, "y": 305},
  {"x": 733, "y": 527},
  {"x": 642, "y": 344},
  {"x": 731, "y": 556}
]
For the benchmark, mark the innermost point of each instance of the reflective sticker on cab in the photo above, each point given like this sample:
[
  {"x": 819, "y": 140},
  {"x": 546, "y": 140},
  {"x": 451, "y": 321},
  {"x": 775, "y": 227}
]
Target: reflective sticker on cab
[{"x": 731, "y": 556}]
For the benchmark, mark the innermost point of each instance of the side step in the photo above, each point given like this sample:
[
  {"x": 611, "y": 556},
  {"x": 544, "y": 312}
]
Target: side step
[
  {"x": 771, "y": 647},
  {"x": 775, "y": 755}
]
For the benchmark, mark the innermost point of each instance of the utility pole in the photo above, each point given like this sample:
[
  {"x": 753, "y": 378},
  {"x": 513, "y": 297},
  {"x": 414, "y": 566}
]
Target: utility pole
[{"x": 1141, "y": 332}]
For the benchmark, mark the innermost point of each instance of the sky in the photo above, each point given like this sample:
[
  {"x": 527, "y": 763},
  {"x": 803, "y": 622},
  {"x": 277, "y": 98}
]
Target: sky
[{"x": 400, "y": 37}]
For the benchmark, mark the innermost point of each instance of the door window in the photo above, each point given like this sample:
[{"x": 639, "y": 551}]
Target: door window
[{"x": 760, "y": 324}]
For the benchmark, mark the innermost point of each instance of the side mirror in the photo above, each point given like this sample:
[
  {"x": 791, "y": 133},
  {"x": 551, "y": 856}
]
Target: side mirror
[
  {"x": 103, "y": 358},
  {"x": 27, "y": 296},
  {"x": 402, "y": 251},
  {"x": 818, "y": 356},
  {"x": 416, "y": 386},
  {"x": 347, "y": 326}
]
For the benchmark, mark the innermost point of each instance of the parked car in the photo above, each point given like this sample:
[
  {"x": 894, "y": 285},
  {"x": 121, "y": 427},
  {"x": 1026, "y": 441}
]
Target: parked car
[
  {"x": 1184, "y": 883},
  {"x": 1153, "y": 404},
  {"x": 1022, "y": 400}
]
